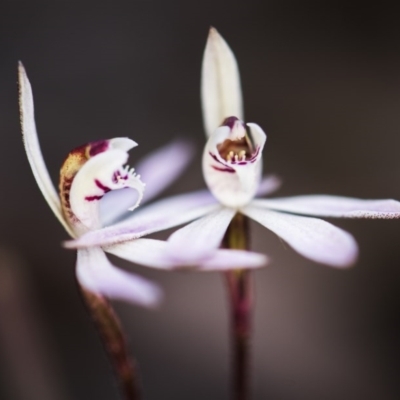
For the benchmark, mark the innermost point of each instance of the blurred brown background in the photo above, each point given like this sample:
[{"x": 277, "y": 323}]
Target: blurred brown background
[{"x": 322, "y": 79}]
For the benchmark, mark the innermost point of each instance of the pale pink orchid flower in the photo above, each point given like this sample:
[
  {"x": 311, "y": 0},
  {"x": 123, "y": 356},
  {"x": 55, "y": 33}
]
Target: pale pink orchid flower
[
  {"x": 96, "y": 188},
  {"x": 232, "y": 167}
]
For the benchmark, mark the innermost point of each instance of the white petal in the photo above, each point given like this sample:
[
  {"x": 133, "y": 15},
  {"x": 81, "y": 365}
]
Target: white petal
[
  {"x": 224, "y": 260},
  {"x": 268, "y": 185},
  {"x": 94, "y": 179},
  {"x": 221, "y": 93},
  {"x": 158, "y": 216},
  {"x": 334, "y": 206},
  {"x": 96, "y": 274},
  {"x": 149, "y": 252},
  {"x": 234, "y": 184},
  {"x": 121, "y": 143},
  {"x": 202, "y": 237},
  {"x": 163, "y": 166},
  {"x": 157, "y": 254},
  {"x": 313, "y": 238},
  {"x": 32, "y": 148}
]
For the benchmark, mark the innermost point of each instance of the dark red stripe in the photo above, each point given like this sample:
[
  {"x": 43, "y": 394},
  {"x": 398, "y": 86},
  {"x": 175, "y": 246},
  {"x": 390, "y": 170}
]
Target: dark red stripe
[
  {"x": 223, "y": 169},
  {"x": 101, "y": 186}
]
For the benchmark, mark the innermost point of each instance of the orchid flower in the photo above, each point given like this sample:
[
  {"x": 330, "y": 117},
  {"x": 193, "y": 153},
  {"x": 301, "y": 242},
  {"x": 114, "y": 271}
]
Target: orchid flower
[
  {"x": 232, "y": 167},
  {"x": 96, "y": 188}
]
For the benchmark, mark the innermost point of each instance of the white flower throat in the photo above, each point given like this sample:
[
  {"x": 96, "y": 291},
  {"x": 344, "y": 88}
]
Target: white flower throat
[{"x": 232, "y": 162}]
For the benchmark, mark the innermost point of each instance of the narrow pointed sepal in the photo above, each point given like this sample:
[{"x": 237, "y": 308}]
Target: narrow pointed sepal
[
  {"x": 313, "y": 238},
  {"x": 163, "y": 166},
  {"x": 32, "y": 147},
  {"x": 221, "y": 93},
  {"x": 157, "y": 254},
  {"x": 334, "y": 206},
  {"x": 163, "y": 214},
  {"x": 96, "y": 274}
]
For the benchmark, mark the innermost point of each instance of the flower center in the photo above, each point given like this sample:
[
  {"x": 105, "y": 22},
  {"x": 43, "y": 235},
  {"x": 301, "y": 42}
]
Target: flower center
[{"x": 239, "y": 146}]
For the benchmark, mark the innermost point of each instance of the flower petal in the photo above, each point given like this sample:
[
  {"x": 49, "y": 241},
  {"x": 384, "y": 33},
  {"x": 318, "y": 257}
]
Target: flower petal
[
  {"x": 268, "y": 185},
  {"x": 221, "y": 93},
  {"x": 225, "y": 260},
  {"x": 200, "y": 238},
  {"x": 156, "y": 217},
  {"x": 32, "y": 147},
  {"x": 313, "y": 238},
  {"x": 334, "y": 206},
  {"x": 157, "y": 254},
  {"x": 149, "y": 252},
  {"x": 96, "y": 274},
  {"x": 161, "y": 167},
  {"x": 116, "y": 204}
]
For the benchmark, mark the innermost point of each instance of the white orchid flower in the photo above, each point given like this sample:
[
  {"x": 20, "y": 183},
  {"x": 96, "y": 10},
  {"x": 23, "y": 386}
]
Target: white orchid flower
[
  {"x": 232, "y": 165},
  {"x": 96, "y": 189}
]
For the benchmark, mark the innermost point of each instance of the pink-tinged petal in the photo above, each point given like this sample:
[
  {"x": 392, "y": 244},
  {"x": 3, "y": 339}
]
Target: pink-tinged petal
[
  {"x": 232, "y": 180},
  {"x": 115, "y": 204},
  {"x": 148, "y": 252},
  {"x": 268, "y": 185},
  {"x": 334, "y": 206},
  {"x": 32, "y": 147},
  {"x": 157, "y": 254},
  {"x": 221, "y": 93},
  {"x": 164, "y": 214},
  {"x": 96, "y": 178},
  {"x": 224, "y": 260},
  {"x": 163, "y": 166},
  {"x": 313, "y": 238},
  {"x": 96, "y": 274},
  {"x": 201, "y": 238}
]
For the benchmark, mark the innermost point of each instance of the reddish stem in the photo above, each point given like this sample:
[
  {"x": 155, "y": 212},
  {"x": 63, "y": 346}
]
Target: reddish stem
[
  {"x": 241, "y": 302},
  {"x": 111, "y": 334}
]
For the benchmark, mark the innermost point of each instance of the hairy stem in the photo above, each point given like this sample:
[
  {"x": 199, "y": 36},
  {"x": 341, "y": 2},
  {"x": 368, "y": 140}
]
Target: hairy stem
[
  {"x": 241, "y": 302},
  {"x": 111, "y": 334}
]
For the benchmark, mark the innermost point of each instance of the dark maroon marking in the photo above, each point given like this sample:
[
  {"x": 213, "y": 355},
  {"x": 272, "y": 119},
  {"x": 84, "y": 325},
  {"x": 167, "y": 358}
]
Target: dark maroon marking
[
  {"x": 105, "y": 189},
  {"x": 92, "y": 198},
  {"x": 97, "y": 147},
  {"x": 215, "y": 158},
  {"x": 230, "y": 122},
  {"x": 242, "y": 163},
  {"x": 230, "y": 170}
]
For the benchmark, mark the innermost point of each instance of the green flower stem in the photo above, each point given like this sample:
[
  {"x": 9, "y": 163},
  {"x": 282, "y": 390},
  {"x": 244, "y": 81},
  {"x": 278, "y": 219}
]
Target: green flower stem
[
  {"x": 113, "y": 339},
  {"x": 241, "y": 302}
]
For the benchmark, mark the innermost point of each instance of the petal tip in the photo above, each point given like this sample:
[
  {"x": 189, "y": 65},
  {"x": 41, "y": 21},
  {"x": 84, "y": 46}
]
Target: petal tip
[
  {"x": 21, "y": 68},
  {"x": 69, "y": 244},
  {"x": 213, "y": 33},
  {"x": 155, "y": 300},
  {"x": 122, "y": 143}
]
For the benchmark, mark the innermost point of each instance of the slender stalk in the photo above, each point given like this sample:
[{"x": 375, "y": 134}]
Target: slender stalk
[
  {"x": 111, "y": 334},
  {"x": 241, "y": 302}
]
